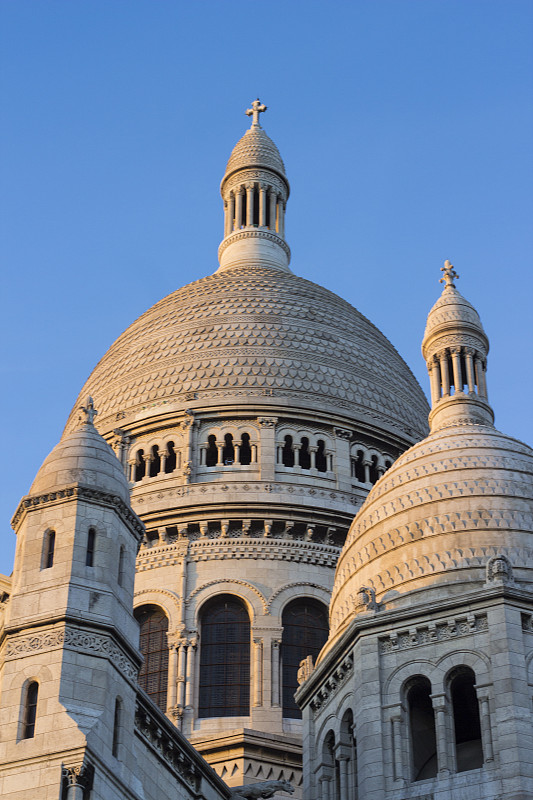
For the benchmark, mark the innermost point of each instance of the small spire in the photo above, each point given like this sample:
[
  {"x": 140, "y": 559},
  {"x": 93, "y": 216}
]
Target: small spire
[
  {"x": 89, "y": 411},
  {"x": 449, "y": 274},
  {"x": 256, "y": 109}
]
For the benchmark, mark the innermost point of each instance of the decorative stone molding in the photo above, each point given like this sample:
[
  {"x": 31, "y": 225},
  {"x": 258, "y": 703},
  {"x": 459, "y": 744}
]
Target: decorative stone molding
[
  {"x": 267, "y": 422},
  {"x": 81, "y": 775},
  {"x": 221, "y": 581},
  {"x": 499, "y": 570},
  {"x": 435, "y": 631},
  {"x": 333, "y": 683},
  {"x": 296, "y": 585},
  {"x": 86, "y": 494},
  {"x": 73, "y": 639},
  {"x": 254, "y": 233}
]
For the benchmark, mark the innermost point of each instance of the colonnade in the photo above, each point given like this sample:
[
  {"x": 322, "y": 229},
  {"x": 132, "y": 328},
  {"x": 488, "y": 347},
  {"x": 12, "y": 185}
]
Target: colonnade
[
  {"x": 254, "y": 204},
  {"x": 457, "y": 367}
]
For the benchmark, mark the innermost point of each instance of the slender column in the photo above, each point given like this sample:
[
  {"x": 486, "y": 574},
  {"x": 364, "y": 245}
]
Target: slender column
[
  {"x": 132, "y": 463},
  {"x": 296, "y": 450},
  {"x": 163, "y": 457},
  {"x": 397, "y": 747},
  {"x": 313, "y": 451},
  {"x": 172, "y": 677},
  {"x": 470, "y": 379},
  {"x": 237, "y": 449},
  {"x": 486, "y": 732},
  {"x": 343, "y": 775},
  {"x": 226, "y": 218},
  {"x": 273, "y": 201},
  {"x": 480, "y": 376},
  {"x": 441, "y": 730},
  {"x": 329, "y": 457},
  {"x": 220, "y": 448},
  {"x": 434, "y": 375},
  {"x": 276, "y": 699},
  {"x": 249, "y": 203},
  {"x": 279, "y": 456},
  {"x": 231, "y": 212},
  {"x": 445, "y": 375},
  {"x": 148, "y": 458},
  {"x": 238, "y": 212},
  {"x": 324, "y": 787},
  {"x": 262, "y": 204},
  {"x": 457, "y": 372},
  {"x": 254, "y": 453},
  {"x": 258, "y": 672},
  {"x": 181, "y": 674},
  {"x": 366, "y": 467},
  {"x": 189, "y": 679},
  {"x": 281, "y": 215},
  {"x": 78, "y": 780},
  {"x": 203, "y": 449},
  {"x": 188, "y": 423}
]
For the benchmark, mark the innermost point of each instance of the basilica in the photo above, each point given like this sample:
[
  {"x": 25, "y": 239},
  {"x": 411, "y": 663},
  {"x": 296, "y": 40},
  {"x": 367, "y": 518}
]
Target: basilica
[{"x": 250, "y": 566}]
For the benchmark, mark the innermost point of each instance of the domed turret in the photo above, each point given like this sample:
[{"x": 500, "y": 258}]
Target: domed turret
[
  {"x": 451, "y": 503},
  {"x": 255, "y": 191}
]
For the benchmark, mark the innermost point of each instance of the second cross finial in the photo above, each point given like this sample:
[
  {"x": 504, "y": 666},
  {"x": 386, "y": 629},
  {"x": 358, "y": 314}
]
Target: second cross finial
[
  {"x": 89, "y": 412},
  {"x": 256, "y": 109},
  {"x": 449, "y": 274}
]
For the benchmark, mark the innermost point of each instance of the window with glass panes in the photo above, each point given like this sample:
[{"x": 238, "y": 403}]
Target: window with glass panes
[
  {"x": 153, "y": 677},
  {"x": 305, "y": 631}
]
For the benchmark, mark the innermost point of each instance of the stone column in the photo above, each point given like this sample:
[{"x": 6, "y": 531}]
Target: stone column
[
  {"x": 343, "y": 775},
  {"x": 434, "y": 376},
  {"x": 329, "y": 457},
  {"x": 480, "y": 378},
  {"x": 258, "y": 673},
  {"x": 231, "y": 213},
  {"x": 238, "y": 212},
  {"x": 237, "y": 449},
  {"x": 181, "y": 674},
  {"x": 190, "y": 675},
  {"x": 262, "y": 204},
  {"x": 172, "y": 676},
  {"x": 148, "y": 458},
  {"x": 484, "y": 719},
  {"x": 188, "y": 425},
  {"x": 203, "y": 450},
  {"x": 281, "y": 207},
  {"x": 342, "y": 447},
  {"x": 253, "y": 448},
  {"x": 276, "y": 696},
  {"x": 397, "y": 750},
  {"x": 470, "y": 378},
  {"x": 163, "y": 455},
  {"x": 79, "y": 780},
  {"x": 267, "y": 426},
  {"x": 445, "y": 375},
  {"x": 273, "y": 201},
  {"x": 457, "y": 372},
  {"x": 249, "y": 204},
  {"x": 441, "y": 730},
  {"x": 220, "y": 448},
  {"x": 366, "y": 467},
  {"x": 132, "y": 463},
  {"x": 313, "y": 451}
]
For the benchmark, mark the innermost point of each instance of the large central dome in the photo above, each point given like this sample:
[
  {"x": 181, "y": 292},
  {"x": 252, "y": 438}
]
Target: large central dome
[{"x": 256, "y": 331}]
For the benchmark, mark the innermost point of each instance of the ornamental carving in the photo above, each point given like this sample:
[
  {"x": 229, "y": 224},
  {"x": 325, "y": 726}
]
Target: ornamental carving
[
  {"x": 333, "y": 683},
  {"x": 81, "y": 775},
  {"x": 436, "y": 631}
]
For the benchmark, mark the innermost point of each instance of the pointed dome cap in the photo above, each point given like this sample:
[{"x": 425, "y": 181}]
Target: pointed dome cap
[
  {"x": 82, "y": 457},
  {"x": 452, "y": 314},
  {"x": 255, "y": 149}
]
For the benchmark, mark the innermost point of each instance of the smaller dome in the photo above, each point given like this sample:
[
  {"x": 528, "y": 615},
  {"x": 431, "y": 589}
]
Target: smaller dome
[
  {"x": 255, "y": 149},
  {"x": 82, "y": 457}
]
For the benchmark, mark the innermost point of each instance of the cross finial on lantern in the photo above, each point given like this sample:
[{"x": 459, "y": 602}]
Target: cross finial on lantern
[
  {"x": 89, "y": 411},
  {"x": 449, "y": 274},
  {"x": 256, "y": 109}
]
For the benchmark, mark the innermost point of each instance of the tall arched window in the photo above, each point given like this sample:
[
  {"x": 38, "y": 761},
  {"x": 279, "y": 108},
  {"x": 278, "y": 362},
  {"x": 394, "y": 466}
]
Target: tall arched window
[
  {"x": 304, "y": 456},
  {"x": 320, "y": 458},
  {"x": 305, "y": 630},
  {"x": 228, "y": 451},
  {"x": 422, "y": 729},
  {"x": 30, "y": 710},
  {"x": 170, "y": 463},
  {"x": 140, "y": 465},
  {"x": 246, "y": 450},
  {"x": 288, "y": 452},
  {"x": 155, "y": 463},
  {"x": 467, "y": 727},
  {"x": 224, "y": 659},
  {"x": 153, "y": 677}
]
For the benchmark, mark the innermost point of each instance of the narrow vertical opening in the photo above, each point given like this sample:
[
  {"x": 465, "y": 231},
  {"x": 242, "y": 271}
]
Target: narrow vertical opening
[
  {"x": 30, "y": 710},
  {"x": 321, "y": 460},
  {"x": 211, "y": 454},
  {"x": 91, "y": 543},
  {"x": 49, "y": 549},
  {"x": 246, "y": 450},
  {"x": 288, "y": 452},
  {"x": 121, "y": 558},
  {"x": 359, "y": 466},
  {"x": 267, "y": 209},
  {"x": 155, "y": 464},
  {"x": 304, "y": 456},
  {"x": 422, "y": 729},
  {"x": 374, "y": 469},
  {"x": 117, "y": 722},
  {"x": 170, "y": 463},
  {"x": 140, "y": 465},
  {"x": 228, "y": 451},
  {"x": 467, "y": 726},
  {"x": 244, "y": 209},
  {"x": 255, "y": 220}
]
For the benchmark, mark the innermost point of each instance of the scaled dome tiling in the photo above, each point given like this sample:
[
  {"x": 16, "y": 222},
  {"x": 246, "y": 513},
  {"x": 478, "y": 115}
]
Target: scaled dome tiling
[
  {"x": 447, "y": 505},
  {"x": 256, "y": 331},
  {"x": 255, "y": 149},
  {"x": 82, "y": 457}
]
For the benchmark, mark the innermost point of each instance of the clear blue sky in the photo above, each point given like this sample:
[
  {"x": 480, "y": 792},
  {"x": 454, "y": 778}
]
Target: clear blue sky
[{"x": 406, "y": 128}]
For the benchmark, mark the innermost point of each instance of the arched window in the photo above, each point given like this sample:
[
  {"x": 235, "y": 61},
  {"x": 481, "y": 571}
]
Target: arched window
[
  {"x": 170, "y": 463},
  {"x": 211, "y": 455},
  {"x": 155, "y": 463},
  {"x": 49, "y": 547},
  {"x": 121, "y": 557},
  {"x": 321, "y": 460},
  {"x": 30, "y": 710},
  {"x": 117, "y": 722},
  {"x": 153, "y": 677},
  {"x": 347, "y": 750},
  {"x": 140, "y": 465},
  {"x": 422, "y": 729},
  {"x": 304, "y": 456},
  {"x": 91, "y": 544},
  {"x": 246, "y": 450},
  {"x": 467, "y": 727},
  {"x": 288, "y": 452},
  {"x": 358, "y": 468},
  {"x": 374, "y": 469},
  {"x": 228, "y": 451},
  {"x": 330, "y": 766},
  {"x": 305, "y": 630},
  {"x": 224, "y": 659}
]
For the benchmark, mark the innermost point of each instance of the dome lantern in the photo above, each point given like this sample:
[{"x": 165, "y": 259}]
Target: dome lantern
[
  {"x": 255, "y": 190},
  {"x": 455, "y": 348}
]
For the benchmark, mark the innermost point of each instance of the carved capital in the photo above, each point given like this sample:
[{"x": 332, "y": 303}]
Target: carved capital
[
  {"x": 342, "y": 433},
  {"x": 267, "y": 422},
  {"x": 78, "y": 775}
]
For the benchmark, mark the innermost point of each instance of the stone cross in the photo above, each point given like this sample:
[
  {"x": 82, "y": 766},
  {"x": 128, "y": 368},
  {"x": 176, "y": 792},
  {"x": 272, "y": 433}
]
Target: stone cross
[
  {"x": 449, "y": 274},
  {"x": 255, "y": 110},
  {"x": 89, "y": 410}
]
